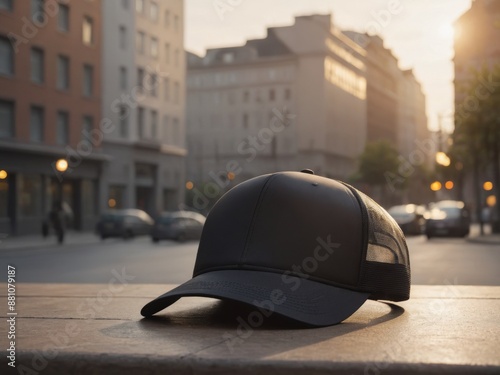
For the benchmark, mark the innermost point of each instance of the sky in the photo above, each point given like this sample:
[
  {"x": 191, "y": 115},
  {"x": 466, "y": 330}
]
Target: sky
[{"x": 419, "y": 33}]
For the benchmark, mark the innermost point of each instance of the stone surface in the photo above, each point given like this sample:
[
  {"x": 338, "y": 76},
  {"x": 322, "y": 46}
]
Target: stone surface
[{"x": 97, "y": 329}]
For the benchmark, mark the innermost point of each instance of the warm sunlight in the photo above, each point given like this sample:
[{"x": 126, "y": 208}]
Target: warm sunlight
[{"x": 446, "y": 31}]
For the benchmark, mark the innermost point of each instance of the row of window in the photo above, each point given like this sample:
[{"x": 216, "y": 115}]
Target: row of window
[
  {"x": 37, "y": 68},
  {"x": 149, "y": 83},
  {"x": 153, "y": 50},
  {"x": 247, "y": 96},
  {"x": 255, "y": 120},
  {"x": 37, "y": 123},
  {"x": 39, "y": 17},
  {"x": 240, "y": 78},
  {"x": 148, "y": 126},
  {"x": 152, "y": 11}
]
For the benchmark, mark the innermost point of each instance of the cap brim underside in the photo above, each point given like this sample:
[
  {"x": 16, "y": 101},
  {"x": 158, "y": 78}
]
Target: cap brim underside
[{"x": 300, "y": 299}]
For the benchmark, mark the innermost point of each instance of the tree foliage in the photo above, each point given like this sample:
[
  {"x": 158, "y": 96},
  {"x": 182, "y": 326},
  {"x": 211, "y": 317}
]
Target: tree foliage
[{"x": 378, "y": 160}]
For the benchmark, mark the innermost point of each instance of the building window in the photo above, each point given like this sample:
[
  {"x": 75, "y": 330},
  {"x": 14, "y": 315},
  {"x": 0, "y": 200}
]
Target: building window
[
  {"x": 245, "y": 121},
  {"x": 177, "y": 58},
  {"x": 176, "y": 23},
  {"x": 176, "y": 93},
  {"x": 272, "y": 95},
  {"x": 116, "y": 197},
  {"x": 62, "y": 73},
  {"x": 88, "y": 80},
  {"x": 6, "y": 57},
  {"x": 123, "y": 78},
  {"x": 167, "y": 19},
  {"x": 153, "y": 84},
  {"x": 140, "y": 79},
  {"x": 153, "y": 11},
  {"x": 37, "y": 65},
  {"x": 6, "y": 5},
  {"x": 62, "y": 128},
  {"x": 154, "y": 124},
  {"x": 141, "y": 37},
  {"x": 167, "y": 53},
  {"x": 63, "y": 18},
  {"x": 139, "y": 6},
  {"x": 87, "y": 126},
  {"x": 88, "y": 31},
  {"x": 123, "y": 37},
  {"x": 166, "y": 121},
  {"x": 89, "y": 197},
  {"x": 30, "y": 195},
  {"x": 140, "y": 122},
  {"x": 176, "y": 132},
  {"x": 37, "y": 12},
  {"x": 6, "y": 118},
  {"x": 37, "y": 123},
  {"x": 166, "y": 85},
  {"x": 125, "y": 4},
  {"x": 154, "y": 47},
  {"x": 288, "y": 94},
  {"x": 246, "y": 97},
  {"x": 124, "y": 114}
]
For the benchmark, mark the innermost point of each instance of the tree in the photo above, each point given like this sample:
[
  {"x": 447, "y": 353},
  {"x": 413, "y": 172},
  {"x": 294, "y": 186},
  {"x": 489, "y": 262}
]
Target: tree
[
  {"x": 477, "y": 129},
  {"x": 378, "y": 160}
]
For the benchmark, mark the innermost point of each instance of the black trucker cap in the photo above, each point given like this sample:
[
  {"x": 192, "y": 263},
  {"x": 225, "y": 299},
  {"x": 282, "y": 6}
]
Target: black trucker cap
[{"x": 298, "y": 245}]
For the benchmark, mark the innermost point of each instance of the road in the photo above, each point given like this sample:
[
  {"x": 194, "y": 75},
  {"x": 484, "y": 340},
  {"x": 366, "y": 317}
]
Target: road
[{"x": 438, "y": 261}]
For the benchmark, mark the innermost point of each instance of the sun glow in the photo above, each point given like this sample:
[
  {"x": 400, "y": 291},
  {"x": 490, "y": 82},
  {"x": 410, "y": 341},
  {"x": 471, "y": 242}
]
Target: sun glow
[{"x": 446, "y": 31}]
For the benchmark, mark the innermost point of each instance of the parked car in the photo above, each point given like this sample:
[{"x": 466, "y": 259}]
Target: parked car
[
  {"x": 448, "y": 218},
  {"x": 124, "y": 223},
  {"x": 178, "y": 225},
  {"x": 410, "y": 217}
]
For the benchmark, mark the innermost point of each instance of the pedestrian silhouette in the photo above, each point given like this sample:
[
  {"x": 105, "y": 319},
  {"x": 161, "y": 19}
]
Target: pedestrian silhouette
[{"x": 57, "y": 220}]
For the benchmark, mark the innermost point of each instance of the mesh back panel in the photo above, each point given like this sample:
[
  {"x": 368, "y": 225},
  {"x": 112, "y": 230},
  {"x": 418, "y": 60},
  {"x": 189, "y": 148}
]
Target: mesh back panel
[{"x": 386, "y": 271}]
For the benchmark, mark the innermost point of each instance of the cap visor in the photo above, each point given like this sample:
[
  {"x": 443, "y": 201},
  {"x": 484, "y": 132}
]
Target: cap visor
[{"x": 300, "y": 299}]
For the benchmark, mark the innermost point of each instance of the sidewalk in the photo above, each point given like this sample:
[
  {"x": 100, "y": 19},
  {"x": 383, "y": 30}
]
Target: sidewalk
[
  {"x": 489, "y": 239},
  {"x": 37, "y": 241},
  {"x": 97, "y": 329}
]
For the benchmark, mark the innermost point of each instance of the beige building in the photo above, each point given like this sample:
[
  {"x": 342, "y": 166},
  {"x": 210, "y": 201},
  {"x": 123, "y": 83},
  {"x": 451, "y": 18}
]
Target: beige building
[
  {"x": 144, "y": 98},
  {"x": 396, "y": 109},
  {"x": 295, "y": 99}
]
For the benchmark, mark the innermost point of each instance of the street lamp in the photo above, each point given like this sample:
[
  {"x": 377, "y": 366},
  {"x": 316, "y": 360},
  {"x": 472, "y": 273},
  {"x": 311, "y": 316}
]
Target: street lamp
[
  {"x": 436, "y": 186},
  {"x": 488, "y": 186},
  {"x": 62, "y": 165},
  {"x": 443, "y": 159},
  {"x": 3, "y": 174}
]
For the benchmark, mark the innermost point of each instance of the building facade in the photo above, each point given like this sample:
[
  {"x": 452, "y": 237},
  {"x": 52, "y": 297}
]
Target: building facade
[
  {"x": 477, "y": 32},
  {"x": 295, "y": 99},
  {"x": 144, "y": 100},
  {"x": 50, "y": 58}
]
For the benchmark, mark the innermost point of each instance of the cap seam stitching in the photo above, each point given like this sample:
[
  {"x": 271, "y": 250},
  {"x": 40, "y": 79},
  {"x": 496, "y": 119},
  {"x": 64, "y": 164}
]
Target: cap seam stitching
[{"x": 253, "y": 220}]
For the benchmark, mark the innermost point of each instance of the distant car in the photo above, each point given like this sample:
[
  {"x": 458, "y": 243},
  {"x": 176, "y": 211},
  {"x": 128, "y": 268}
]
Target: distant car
[
  {"x": 448, "y": 218},
  {"x": 178, "y": 225},
  {"x": 410, "y": 217},
  {"x": 124, "y": 223}
]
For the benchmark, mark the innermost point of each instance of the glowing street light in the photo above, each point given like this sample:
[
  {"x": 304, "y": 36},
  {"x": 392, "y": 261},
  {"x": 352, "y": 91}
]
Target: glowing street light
[
  {"x": 62, "y": 165},
  {"x": 488, "y": 186},
  {"x": 449, "y": 185},
  {"x": 189, "y": 185},
  {"x": 443, "y": 159},
  {"x": 436, "y": 186},
  {"x": 3, "y": 174},
  {"x": 491, "y": 200}
]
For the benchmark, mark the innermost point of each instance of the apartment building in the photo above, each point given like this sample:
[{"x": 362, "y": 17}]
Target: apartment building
[
  {"x": 144, "y": 99},
  {"x": 292, "y": 100},
  {"x": 50, "y": 58}
]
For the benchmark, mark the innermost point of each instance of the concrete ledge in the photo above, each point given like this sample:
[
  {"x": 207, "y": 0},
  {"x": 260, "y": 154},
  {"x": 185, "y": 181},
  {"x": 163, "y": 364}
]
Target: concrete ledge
[{"x": 97, "y": 329}]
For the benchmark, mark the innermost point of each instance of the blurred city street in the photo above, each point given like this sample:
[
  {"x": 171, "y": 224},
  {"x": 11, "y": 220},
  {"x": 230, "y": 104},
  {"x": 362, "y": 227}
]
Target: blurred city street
[{"x": 438, "y": 261}]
